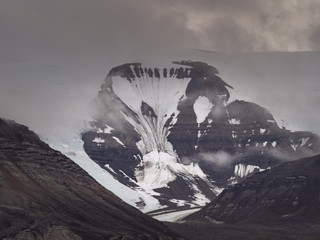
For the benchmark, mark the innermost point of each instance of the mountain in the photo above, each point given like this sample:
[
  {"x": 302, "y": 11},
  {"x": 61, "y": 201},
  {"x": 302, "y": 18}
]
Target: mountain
[
  {"x": 289, "y": 191},
  {"x": 280, "y": 203},
  {"x": 173, "y": 132},
  {"x": 45, "y": 195}
]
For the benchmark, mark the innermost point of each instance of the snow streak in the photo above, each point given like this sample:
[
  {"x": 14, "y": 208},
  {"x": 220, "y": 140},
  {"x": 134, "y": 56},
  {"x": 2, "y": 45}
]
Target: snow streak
[
  {"x": 154, "y": 99},
  {"x": 161, "y": 94}
]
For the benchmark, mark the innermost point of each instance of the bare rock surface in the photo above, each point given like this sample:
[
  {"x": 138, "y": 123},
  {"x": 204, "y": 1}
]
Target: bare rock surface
[{"x": 44, "y": 195}]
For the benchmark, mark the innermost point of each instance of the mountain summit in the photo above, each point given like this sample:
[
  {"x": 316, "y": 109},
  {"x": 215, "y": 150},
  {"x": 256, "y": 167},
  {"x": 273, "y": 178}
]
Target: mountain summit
[{"x": 173, "y": 133}]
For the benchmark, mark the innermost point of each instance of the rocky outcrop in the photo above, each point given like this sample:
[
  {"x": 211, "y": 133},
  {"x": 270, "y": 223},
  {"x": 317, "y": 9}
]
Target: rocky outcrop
[
  {"x": 289, "y": 191},
  {"x": 45, "y": 195}
]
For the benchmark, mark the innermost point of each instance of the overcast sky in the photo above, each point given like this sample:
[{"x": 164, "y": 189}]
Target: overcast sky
[
  {"x": 54, "y": 54},
  {"x": 33, "y": 28}
]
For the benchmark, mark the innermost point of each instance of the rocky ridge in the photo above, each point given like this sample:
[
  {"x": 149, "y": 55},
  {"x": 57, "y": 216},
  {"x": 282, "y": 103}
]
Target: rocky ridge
[
  {"x": 286, "y": 192},
  {"x": 45, "y": 195}
]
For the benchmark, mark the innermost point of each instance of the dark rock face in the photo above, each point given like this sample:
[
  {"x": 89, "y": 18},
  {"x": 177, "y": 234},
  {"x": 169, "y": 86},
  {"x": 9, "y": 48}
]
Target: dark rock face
[
  {"x": 228, "y": 142},
  {"x": 44, "y": 195},
  {"x": 289, "y": 191},
  {"x": 252, "y": 137}
]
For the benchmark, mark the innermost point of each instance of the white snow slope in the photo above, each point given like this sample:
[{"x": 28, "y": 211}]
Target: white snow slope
[
  {"x": 160, "y": 164},
  {"x": 69, "y": 143}
]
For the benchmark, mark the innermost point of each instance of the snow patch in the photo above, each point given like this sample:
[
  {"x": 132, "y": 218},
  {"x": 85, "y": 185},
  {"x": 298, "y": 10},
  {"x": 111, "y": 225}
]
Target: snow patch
[
  {"x": 262, "y": 130},
  {"x": 199, "y": 134},
  {"x": 234, "y": 135},
  {"x": 304, "y": 141},
  {"x": 178, "y": 202},
  {"x": 234, "y": 121},
  {"x": 118, "y": 140},
  {"x": 157, "y": 172},
  {"x": 157, "y": 169},
  {"x": 108, "y": 129},
  {"x": 200, "y": 199},
  {"x": 98, "y": 140},
  {"x": 202, "y": 107},
  {"x": 242, "y": 170},
  {"x": 108, "y": 167}
]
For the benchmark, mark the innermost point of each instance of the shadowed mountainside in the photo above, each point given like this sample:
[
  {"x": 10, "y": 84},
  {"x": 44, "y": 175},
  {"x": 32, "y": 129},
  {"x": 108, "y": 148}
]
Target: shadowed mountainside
[
  {"x": 281, "y": 203},
  {"x": 45, "y": 195},
  {"x": 290, "y": 191}
]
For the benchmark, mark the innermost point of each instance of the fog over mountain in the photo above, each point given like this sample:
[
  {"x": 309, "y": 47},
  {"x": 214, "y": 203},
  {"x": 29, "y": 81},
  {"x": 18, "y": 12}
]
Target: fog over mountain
[
  {"x": 49, "y": 98},
  {"x": 55, "y": 54}
]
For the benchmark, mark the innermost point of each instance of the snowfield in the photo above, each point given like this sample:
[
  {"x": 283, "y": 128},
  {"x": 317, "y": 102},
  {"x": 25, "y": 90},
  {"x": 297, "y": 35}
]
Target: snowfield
[{"x": 72, "y": 146}]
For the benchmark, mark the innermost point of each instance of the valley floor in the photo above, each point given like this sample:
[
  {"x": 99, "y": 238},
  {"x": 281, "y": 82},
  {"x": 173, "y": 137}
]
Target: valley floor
[
  {"x": 280, "y": 231},
  {"x": 175, "y": 216}
]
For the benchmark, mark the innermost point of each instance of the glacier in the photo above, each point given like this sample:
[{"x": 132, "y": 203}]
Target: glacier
[{"x": 154, "y": 100}]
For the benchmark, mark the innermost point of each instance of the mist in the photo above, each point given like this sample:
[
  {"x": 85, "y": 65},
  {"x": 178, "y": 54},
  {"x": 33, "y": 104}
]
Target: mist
[
  {"x": 220, "y": 159},
  {"x": 54, "y": 55}
]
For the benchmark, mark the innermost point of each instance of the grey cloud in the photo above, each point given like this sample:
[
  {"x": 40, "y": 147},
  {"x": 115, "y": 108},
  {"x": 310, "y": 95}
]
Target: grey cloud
[
  {"x": 55, "y": 54},
  {"x": 264, "y": 25},
  {"x": 228, "y": 35},
  {"x": 82, "y": 30},
  {"x": 285, "y": 156},
  {"x": 219, "y": 159},
  {"x": 217, "y": 5},
  {"x": 315, "y": 38}
]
